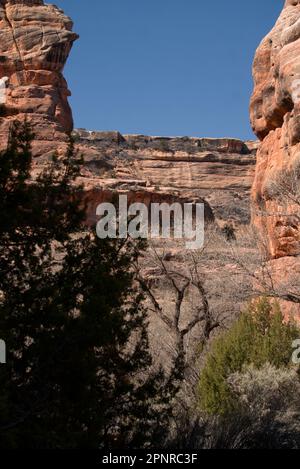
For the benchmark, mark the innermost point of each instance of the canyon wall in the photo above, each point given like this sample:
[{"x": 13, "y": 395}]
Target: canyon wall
[
  {"x": 35, "y": 41},
  {"x": 219, "y": 171},
  {"x": 275, "y": 116}
]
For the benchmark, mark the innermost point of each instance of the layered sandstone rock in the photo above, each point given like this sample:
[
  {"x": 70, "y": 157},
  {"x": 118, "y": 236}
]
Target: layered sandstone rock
[
  {"x": 35, "y": 41},
  {"x": 275, "y": 116},
  {"x": 220, "y": 171}
]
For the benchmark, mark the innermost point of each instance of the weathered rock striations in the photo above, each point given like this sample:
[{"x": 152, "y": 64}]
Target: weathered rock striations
[
  {"x": 220, "y": 171},
  {"x": 275, "y": 116},
  {"x": 35, "y": 41}
]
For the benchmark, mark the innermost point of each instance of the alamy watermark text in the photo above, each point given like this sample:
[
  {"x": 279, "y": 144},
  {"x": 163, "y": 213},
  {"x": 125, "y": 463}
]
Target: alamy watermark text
[{"x": 178, "y": 221}]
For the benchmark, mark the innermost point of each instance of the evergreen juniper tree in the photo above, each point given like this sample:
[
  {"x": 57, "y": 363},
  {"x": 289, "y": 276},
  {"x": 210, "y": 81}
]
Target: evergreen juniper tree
[
  {"x": 258, "y": 337},
  {"x": 71, "y": 317}
]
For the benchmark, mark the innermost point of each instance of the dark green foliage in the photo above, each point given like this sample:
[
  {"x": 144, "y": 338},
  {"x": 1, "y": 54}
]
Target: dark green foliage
[
  {"x": 258, "y": 337},
  {"x": 71, "y": 317}
]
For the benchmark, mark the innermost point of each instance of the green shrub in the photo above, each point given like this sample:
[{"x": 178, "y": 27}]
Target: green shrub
[{"x": 258, "y": 337}]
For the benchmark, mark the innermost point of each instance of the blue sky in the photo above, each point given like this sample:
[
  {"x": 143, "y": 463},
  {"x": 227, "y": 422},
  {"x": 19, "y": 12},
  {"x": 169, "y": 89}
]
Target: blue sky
[{"x": 166, "y": 67}]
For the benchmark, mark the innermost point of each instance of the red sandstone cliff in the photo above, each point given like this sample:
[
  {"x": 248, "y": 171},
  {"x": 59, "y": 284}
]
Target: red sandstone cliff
[
  {"x": 275, "y": 116},
  {"x": 220, "y": 171},
  {"x": 35, "y": 41}
]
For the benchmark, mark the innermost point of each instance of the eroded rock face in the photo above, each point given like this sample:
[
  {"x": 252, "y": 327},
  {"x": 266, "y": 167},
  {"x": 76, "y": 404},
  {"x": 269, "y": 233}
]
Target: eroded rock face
[
  {"x": 221, "y": 171},
  {"x": 275, "y": 116},
  {"x": 35, "y": 41}
]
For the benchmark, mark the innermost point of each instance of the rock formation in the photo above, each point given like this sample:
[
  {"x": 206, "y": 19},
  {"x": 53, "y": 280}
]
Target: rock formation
[
  {"x": 221, "y": 171},
  {"x": 275, "y": 116},
  {"x": 35, "y": 41}
]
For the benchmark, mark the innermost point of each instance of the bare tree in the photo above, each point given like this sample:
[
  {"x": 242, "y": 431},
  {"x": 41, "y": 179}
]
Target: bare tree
[
  {"x": 286, "y": 188},
  {"x": 188, "y": 314},
  {"x": 283, "y": 284},
  {"x": 262, "y": 275}
]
